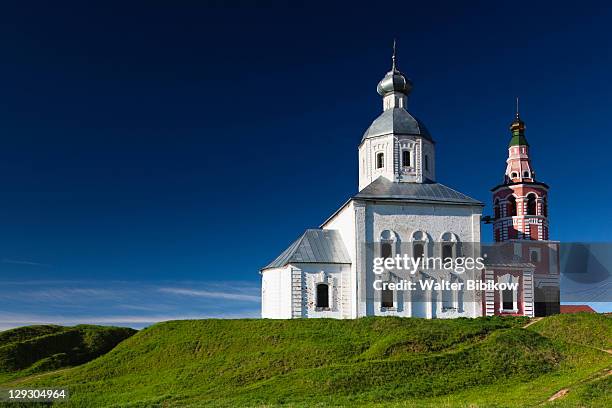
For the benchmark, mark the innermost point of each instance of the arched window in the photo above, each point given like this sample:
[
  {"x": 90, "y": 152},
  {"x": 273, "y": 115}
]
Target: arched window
[
  {"x": 526, "y": 174},
  {"x": 531, "y": 204},
  {"x": 448, "y": 249},
  {"x": 418, "y": 250},
  {"x": 380, "y": 160},
  {"x": 426, "y": 162},
  {"x": 544, "y": 207},
  {"x": 513, "y": 175},
  {"x": 406, "y": 158},
  {"x": 419, "y": 241},
  {"x": 511, "y": 206},
  {"x": 496, "y": 208},
  {"x": 322, "y": 295},
  {"x": 534, "y": 256},
  {"x": 386, "y": 297},
  {"x": 386, "y": 250}
]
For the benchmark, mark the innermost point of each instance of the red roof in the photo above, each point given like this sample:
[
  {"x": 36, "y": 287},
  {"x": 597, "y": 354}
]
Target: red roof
[{"x": 576, "y": 309}]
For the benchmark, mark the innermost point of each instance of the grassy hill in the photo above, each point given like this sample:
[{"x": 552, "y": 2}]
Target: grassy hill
[
  {"x": 484, "y": 362},
  {"x": 34, "y": 349}
]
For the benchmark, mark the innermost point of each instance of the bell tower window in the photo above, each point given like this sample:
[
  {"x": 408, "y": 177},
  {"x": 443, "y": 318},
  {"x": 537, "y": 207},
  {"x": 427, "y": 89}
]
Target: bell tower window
[
  {"x": 496, "y": 209},
  {"x": 406, "y": 158},
  {"x": 380, "y": 160},
  {"x": 531, "y": 204},
  {"x": 511, "y": 206},
  {"x": 426, "y": 163}
]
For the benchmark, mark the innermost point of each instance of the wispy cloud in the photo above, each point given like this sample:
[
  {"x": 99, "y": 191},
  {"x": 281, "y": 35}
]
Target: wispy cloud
[
  {"x": 123, "y": 303},
  {"x": 24, "y": 262},
  {"x": 211, "y": 294},
  {"x": 64, "y": 294}
]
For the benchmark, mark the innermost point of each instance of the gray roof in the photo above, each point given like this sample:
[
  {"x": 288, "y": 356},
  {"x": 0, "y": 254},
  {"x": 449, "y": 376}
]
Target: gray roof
[
  {"x": 314, "y": 246},
  {"x": 396, "y": 121},
  {"x": 383, "y": 189}
]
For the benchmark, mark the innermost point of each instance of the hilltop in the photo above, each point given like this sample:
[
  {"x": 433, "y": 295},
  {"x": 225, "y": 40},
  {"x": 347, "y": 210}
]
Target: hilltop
[{"x": 371, "y": 361}]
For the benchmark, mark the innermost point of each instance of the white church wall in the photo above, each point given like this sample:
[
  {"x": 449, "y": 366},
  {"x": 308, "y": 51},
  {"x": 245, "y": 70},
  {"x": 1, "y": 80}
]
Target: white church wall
[
  {"x": 276, "y": 293},
  {"x": 434, "y": 220}
]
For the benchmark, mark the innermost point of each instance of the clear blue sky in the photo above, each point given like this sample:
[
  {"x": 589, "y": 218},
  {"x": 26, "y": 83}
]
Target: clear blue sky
[{"x": 182, "y": 147}]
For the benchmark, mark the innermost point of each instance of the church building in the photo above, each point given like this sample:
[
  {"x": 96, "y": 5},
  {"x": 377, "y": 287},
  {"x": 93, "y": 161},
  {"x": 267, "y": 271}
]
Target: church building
[{"x": 401, "y": 208}]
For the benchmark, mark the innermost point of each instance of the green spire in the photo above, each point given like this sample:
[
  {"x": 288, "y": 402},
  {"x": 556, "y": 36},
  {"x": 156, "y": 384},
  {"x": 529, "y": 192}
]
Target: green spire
[{"x": 517, "y": 127}]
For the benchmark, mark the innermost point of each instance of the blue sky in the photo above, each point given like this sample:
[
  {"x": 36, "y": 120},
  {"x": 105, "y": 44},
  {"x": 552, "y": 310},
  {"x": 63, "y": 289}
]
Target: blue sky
[{"x": 182, "y": 147}]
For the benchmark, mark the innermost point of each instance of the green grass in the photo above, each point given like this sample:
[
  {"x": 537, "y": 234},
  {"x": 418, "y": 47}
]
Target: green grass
[
  {"x": 398, "y": 362},
  {"x": 590, "y": 329}
]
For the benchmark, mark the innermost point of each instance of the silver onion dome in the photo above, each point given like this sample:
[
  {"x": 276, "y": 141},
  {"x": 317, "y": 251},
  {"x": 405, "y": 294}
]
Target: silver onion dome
[{"x": 394, "y": 81}]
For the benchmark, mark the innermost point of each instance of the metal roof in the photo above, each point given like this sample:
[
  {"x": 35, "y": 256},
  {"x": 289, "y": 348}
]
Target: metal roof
[
  {"x": 396, "y": 121},
  {"x": 383, "y": 189},
  {"x": 314, "y": 246}
]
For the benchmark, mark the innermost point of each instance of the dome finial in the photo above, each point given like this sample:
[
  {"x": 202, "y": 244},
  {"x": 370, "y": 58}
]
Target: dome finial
[
  {"x": 393, "y": 67},
  {"x": 517, "y": 127},
  {"x": 517, "y": 108},
  {"x": 394, "y": 81}
]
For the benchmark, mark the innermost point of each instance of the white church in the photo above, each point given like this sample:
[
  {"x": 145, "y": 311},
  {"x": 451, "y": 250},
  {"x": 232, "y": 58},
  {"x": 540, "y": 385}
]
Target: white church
[{"x": 400, "y": 208}]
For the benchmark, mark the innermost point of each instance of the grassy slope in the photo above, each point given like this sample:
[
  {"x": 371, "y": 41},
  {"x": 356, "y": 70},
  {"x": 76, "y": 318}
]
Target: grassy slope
[
  {"x": 373, "y": 361},
  {"x": 35, "y": 349}
]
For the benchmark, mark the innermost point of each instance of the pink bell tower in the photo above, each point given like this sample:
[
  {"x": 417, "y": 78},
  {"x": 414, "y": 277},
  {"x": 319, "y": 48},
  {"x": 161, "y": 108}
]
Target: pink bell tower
[
  {"x": 520, "y": 227},
  {"x": 520, "y": 202}
]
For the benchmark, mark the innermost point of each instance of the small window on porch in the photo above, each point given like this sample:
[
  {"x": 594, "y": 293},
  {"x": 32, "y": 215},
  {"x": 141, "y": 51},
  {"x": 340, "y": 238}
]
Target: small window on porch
[
  {"x": 322, "y": 295},
  {"x": 508, "y": 299}
]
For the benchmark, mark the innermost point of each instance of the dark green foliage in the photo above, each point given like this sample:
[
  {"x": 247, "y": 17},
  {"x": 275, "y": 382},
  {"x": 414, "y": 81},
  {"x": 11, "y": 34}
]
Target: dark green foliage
[
  {"x": 26, "y": 333},
  {"x": 42, "y": 348}
]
